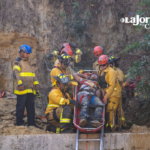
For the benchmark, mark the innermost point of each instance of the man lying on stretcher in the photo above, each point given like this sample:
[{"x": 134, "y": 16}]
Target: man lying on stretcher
[{"x": 86, "y": 95}]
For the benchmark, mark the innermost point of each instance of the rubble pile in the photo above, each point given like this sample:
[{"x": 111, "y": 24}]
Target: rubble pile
[{"x": 8, "y": 120}]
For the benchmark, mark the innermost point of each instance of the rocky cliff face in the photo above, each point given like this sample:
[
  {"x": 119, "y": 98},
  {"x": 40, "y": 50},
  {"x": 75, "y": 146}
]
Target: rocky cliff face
[{"x": 43, "y": 25}]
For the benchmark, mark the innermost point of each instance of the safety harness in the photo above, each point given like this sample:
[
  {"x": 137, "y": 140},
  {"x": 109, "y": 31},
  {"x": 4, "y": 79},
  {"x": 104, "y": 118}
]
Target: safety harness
[
  {"x": 86, "y": 82},
  {"x": 102, "y": 82}
]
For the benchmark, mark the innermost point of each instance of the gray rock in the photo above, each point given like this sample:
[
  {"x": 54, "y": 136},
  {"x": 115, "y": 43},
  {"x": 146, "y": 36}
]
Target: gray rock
[
  {"x": 1, "y": 113},
  {"x": 10, "y": 117}
]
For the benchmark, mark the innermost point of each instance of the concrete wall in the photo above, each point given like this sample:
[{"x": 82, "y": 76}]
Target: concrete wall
[{"x": 115, "y": 141}]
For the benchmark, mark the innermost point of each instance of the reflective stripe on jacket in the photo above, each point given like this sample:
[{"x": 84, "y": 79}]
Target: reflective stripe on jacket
[
  {"x": 56, "y": 99},
  {"x": 24, "y": 75}
]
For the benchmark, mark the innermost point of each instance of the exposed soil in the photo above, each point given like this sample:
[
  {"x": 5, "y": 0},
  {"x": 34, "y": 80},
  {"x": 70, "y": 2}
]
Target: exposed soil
[{"x": 8, "y": 120}]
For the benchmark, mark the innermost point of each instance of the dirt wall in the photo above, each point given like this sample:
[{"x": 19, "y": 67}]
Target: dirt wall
[{"x": 42, "y": 25}]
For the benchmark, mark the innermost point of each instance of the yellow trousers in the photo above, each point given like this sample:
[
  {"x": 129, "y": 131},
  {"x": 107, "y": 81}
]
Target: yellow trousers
[
  {"x": 121, "y": 113},
  {"x": 111, "y": 109}
]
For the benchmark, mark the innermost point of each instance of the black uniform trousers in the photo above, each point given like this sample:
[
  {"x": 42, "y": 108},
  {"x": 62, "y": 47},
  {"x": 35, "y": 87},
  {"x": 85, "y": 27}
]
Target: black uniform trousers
[{"x": 26, "y": 100}]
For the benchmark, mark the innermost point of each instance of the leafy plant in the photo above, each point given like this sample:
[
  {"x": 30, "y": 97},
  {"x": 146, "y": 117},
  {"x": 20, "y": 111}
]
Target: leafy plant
[
  {"x": 142, "y": 66},
  {"x": 75, "y": 5},
  {"x": 62, "y": 14},
  {"x": 76, "y": 23}
]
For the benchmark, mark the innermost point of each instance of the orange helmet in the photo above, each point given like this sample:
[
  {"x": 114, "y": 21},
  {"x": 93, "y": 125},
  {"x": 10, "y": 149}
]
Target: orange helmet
[
  {"x": 67, "y": 51},
  {"x": 98, "y": 50},
  {"x": 103, "y": 59},
  {"x": 66, "y": 45}
]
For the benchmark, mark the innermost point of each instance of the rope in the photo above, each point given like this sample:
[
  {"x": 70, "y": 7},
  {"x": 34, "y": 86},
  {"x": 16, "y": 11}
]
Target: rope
[{"x": 37, "y": 116}]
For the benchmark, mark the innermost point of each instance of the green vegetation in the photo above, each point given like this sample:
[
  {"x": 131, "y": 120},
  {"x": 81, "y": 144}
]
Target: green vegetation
[
  {"x": 77, "y": 22},
  {"x": 142, "y": 66}
]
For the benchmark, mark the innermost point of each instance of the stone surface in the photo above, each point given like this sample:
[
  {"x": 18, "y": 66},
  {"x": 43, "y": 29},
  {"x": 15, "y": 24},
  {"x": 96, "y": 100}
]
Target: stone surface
[
  {"x": 25, "y": 120},
  {"x": 115, "y": 141},
  {"x": 1, "y": 113},
  {"x": 44, "y": 30},
  {"x": 6, "y": 123},
  {"x": 139, "y": 129},
  {"x": 10, "y": 117}
]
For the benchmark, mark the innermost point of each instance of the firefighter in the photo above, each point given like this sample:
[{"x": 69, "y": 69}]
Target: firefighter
[
  {"x": 64, "y": 61},
  {"x": 108, "y": 81},
  {"x": 58, "y": 112},
  {"x": 78, "y": 54},
  {"x": 70, "y": 53},
  {"x": 120, "y": 76},
  {"x": 26, "y": 86},
  {"x": 66, "y": 48},
  {"x": 98, "y": 51}
]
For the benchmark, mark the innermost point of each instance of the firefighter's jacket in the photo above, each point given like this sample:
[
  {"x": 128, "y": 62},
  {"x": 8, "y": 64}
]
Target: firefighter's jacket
[
  {"x": 96, "y": 66},
  {"x": 56, "y": 99},
  {"x": 24, "y": 75},
  {"x": 120, "y": 75},
  {"x": 113, "y": 88},
  {"x": 56, "y": 71},
  {"x": 77, "y": 57}
]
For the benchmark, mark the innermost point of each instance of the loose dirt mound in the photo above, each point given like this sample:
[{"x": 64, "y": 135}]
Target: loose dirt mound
[{"x": 8, "y": 120}]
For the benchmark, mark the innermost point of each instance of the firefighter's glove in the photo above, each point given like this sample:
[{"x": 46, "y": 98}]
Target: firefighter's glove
[
  {"x": 80, "y": 71},
  {"x": 73, "y": 102},
  {"x": 50, "y": 56}
]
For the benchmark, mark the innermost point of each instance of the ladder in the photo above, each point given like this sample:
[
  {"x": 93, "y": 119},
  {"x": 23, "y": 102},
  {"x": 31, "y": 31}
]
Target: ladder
[{"x": 88, "y": 140}]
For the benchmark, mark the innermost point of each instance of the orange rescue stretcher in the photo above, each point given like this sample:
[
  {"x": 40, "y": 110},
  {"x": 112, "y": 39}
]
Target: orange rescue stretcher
[{"x": 88, "y": 128}]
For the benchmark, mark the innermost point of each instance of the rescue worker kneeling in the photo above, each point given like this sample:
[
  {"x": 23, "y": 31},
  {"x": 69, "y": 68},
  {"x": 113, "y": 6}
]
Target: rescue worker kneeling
[
  {"x": 59, "y": 109},
  {"x": 86, "y": 96}
]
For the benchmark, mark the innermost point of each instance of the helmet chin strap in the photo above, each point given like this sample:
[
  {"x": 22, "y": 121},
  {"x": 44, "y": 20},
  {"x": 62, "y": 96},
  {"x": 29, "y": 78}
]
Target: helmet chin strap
[
  {"x": 63, "y": 90},
  {"x": 62, "y": 67}
]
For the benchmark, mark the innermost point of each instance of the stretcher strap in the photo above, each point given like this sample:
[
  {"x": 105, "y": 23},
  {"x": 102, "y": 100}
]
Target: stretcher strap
[
  {"x": 90, "y": 116},
  {"x": 83, "y": 97},
  {"x": 92, "y": 100},
  {"x": 89, "y": 105}
]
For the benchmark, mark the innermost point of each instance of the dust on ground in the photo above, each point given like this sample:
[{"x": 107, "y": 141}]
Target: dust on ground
[{"x": 8, "y": 120}]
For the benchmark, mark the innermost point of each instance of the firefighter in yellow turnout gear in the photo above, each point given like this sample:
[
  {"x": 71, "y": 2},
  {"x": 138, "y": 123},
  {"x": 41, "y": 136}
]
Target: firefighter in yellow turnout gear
[
  {"x": 64, "y": 61},
  {"x": 26, "y": 86},
  {"x": 108, "y": 81},
  {"x": 66, "y": 48},
  {"x": 58, "y": 112},
  {"x": 120, "y": 77}
]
